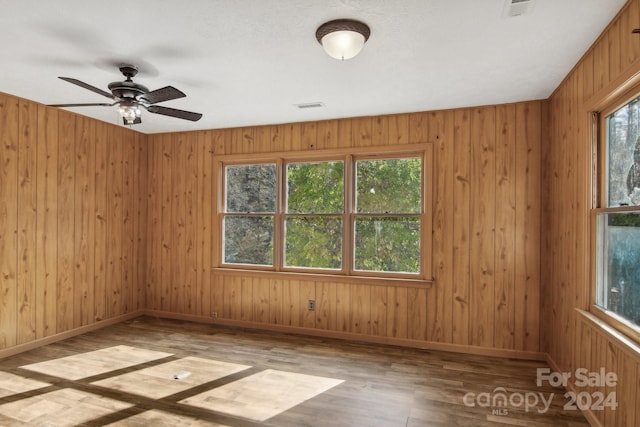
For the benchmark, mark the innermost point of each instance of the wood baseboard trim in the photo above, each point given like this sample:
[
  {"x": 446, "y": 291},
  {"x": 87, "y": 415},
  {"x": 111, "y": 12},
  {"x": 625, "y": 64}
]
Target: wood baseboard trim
[
  {"x": 401, "y": 342},
  {"x": 20, "y": 348}
]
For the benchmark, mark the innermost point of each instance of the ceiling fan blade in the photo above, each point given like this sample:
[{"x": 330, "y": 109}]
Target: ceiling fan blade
[
  {"x": 87, "y": 86},
  {"x": 83, "y": 105},
  {"x": 163, "y": 94},
  {"x": 181, "y": 114}
]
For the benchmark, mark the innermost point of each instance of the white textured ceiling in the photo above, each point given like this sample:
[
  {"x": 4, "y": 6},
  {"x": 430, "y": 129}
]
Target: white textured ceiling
[{"x": 247, "y": 62}]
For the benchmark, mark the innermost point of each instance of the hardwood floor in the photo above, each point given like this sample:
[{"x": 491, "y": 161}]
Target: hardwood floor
[{"x": 125, "y": 375}]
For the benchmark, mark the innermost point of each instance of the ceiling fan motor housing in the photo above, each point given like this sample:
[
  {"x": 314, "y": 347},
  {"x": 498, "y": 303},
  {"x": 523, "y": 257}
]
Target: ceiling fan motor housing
[{"x": 127, "y": 89}]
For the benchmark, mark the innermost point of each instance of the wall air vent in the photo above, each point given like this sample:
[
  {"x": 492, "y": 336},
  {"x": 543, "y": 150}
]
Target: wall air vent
[
  {"x": 309, "y": 105},
  {"x": 517, "y": 8}
]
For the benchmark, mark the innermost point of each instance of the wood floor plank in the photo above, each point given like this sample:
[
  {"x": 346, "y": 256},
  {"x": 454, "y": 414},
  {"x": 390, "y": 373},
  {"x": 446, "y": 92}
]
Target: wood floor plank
[{"x": 289, "y": 380}]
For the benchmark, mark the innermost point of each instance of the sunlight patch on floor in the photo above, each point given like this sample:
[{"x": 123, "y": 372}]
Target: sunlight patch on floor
[
  {"x": 96, "y": 362},
  {"x": 263, "y": 395}
]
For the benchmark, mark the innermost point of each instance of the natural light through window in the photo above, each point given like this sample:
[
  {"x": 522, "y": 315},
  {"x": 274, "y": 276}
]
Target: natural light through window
[{"x": 342, "y": 215}]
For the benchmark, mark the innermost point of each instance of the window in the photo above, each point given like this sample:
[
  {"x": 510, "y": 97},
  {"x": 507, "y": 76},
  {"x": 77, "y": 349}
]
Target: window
[
  {"x": 618, "y": 216},
  {"x": 354, "y": 215}
]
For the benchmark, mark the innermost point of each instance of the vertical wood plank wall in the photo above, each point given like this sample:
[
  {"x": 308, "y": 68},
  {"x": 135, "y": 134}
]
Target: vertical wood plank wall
[
  {"x": 486, "y": 237},
  {"x": 571, "y": 341},
  {"x": 72, "y": 221}
]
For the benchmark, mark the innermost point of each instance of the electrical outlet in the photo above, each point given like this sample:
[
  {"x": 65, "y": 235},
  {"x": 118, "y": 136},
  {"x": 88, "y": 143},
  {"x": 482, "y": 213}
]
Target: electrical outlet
[
  {"x": 311, "y": 306},
  {"x": 214, "y": 314}
]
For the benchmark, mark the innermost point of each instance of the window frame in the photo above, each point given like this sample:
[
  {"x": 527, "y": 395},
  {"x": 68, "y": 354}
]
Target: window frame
[
  {"x": 600, "y": 200},
  {"x": 349, "y": 156}
]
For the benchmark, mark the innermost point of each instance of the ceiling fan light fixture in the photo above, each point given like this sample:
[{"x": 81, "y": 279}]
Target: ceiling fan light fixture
[
  {"x": 343, "y": 38},
  {"x": 130, "y": 112}
]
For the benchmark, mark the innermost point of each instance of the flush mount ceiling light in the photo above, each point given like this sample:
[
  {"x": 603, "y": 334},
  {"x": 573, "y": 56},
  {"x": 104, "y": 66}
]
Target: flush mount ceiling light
[{"x": 343, "y": 38}]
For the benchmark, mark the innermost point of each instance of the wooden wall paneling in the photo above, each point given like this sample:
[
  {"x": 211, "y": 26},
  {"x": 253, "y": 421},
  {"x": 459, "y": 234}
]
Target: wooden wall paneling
[
  {"x": 527, "y": 216},
  {"x": 263, "y": 138},
  {"x": 582, "y": 128},
  {"x": 380, "y": 130},
  {"x": 326, "y": 307},
  {"x": 627, "y": 413},
  {"x": 293, "y": 137},
  {"x": 232, "y": 298},
  {"x": 398, "y": 309},
  {"x": 247, "y": 143},
  {"x": 27, "y": 213},
  {"x": 483, "y": 195},
  {"x": 9, "y": 138},
  {"x": 601, "y": 63},
  {"x": 615, "y": 36},
  {"x": 261, "y": 305},
  {"x": 307, "y": 292},
  {"x": 66, "y": 181},
  {"x": 602, "y": 348},
  {"x": 327, "y": 134},
  {"x": 277, "y": 137},
  {"x": 290, "y": 303},
  {"x": 114, "y": 220},
  {"x": 461, "y": 227},
  {"x": 612, "y": 351},
  {"x": 344, "y": 133},
  {"x": 190, "y": 225},
  {"x": 154, "y": 223},
  {"x": 204, "y": 221},
  {"x": 128, "y": 212},
  {"x": 46, "y": 221},
  {"x": 398, "y": 126},
  {"x": 216, "y": 292},
  {"x": 629, "y": 374},
  {"x": 141, "y": 218},
  {"x": 417, "y": 314},
  {"x": 101, "y": 146},
  {"x": 246, "y": 299},
  {"x": 439, "y": 297},
  {"x": 167, "y": 253},
  {"x": 630, "y": 42},
  {"x": 379, "y": 310},
  {"x": 217, "y": 141},
  {"x": 308, "y": 136},
  {"x": 178, "y": 223},
  {"x": 275, "y": 302},
  {"x": 84, "y": 225},
  {"x": 505, "y": 227},
  {"x": 418, "y": 127},
  {"x": 360, "y": 309},
  {"x": 343, "y": 306},
  {"x": 361, "y": 131},
  {"x": 589, "y": 77}
]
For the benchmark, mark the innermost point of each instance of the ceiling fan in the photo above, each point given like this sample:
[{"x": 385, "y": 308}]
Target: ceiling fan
[{"x": 130, "y": 96}]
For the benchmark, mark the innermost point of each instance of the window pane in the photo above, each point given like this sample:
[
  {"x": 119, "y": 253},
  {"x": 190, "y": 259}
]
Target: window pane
[
  {"x": 388, "y": 244},
  {"x": 248, "y": 240},
  {"x": 388, "y": 186},
  {"x": 315, "y": 187},
  {"x": 250, "y": 188},
  {"x": 314, "y": 242},
  {"x": 623, "y": 151},
  {"x": 618, "y": 284}
]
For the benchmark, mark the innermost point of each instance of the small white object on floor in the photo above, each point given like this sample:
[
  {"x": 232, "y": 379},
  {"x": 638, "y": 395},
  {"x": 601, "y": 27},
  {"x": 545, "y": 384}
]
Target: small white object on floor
[{"x": 181, "y": 375}]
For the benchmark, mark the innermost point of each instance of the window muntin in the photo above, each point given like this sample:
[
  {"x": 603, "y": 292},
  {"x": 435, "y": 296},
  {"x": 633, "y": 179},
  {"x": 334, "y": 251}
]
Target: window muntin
[
  {"x": 324, "y": 222},
  {"x": 617, "y": 223}
]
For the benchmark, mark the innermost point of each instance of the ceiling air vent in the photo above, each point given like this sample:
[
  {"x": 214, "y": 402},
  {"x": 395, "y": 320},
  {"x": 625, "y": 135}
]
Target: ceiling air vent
[
  {"x": 309, "y": 105},
  {"x": 517, "y": 8}
]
